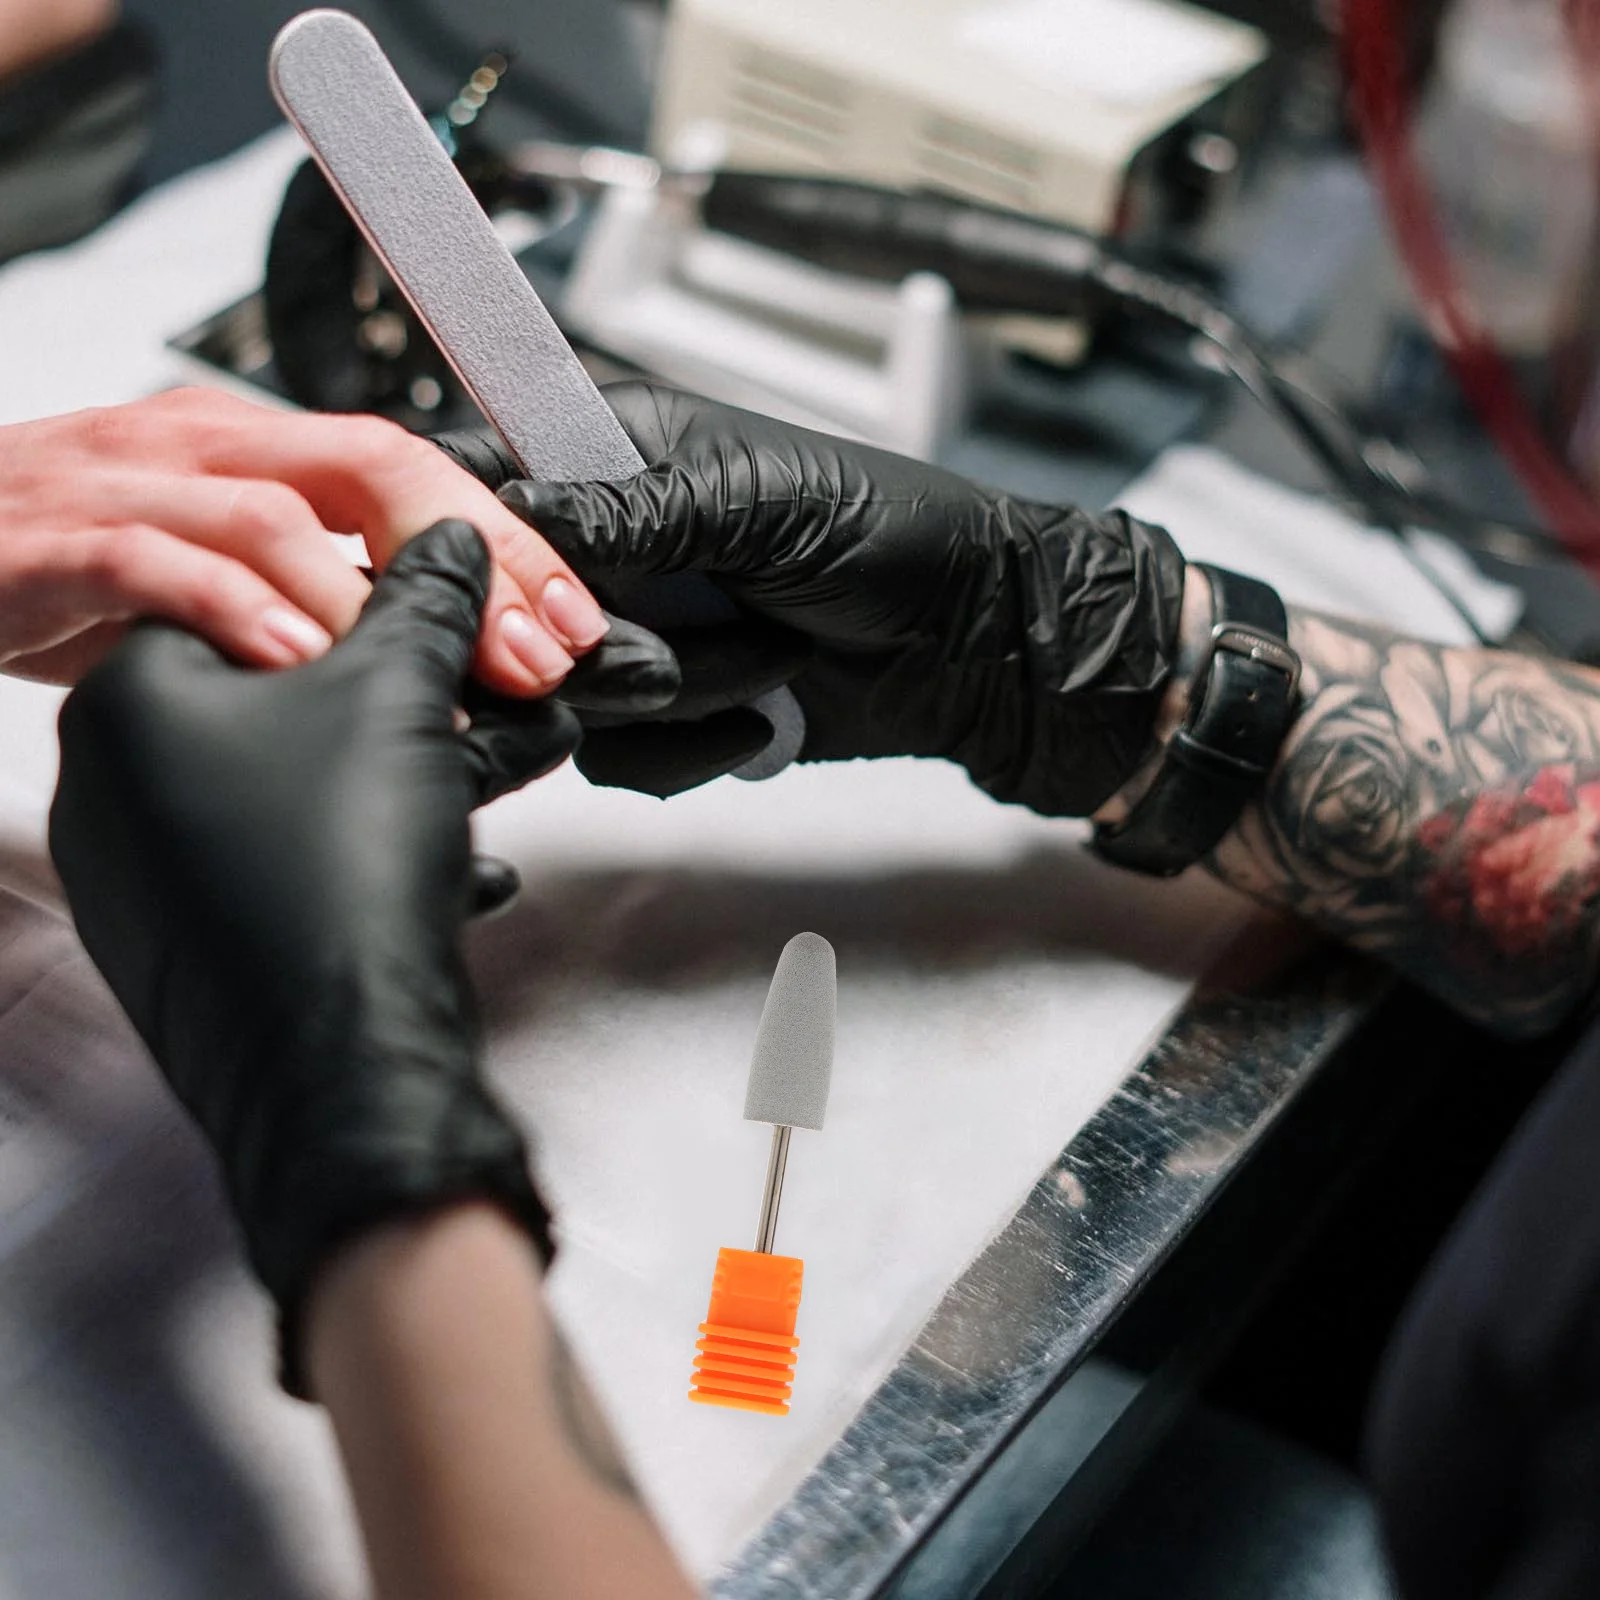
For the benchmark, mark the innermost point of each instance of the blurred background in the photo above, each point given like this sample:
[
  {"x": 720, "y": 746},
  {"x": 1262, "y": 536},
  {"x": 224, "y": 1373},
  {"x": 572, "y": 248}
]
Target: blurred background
[
  {"x": 1350, "y": 245},
  {"x": 215, "y": 95},
  {"x": 1449, "y": 143}
]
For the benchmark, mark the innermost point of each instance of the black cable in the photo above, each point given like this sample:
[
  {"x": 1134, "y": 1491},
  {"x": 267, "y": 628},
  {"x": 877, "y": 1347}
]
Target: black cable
[
  {"x": 998, "y": 261},
  {"x": 1320, "y": 425}
]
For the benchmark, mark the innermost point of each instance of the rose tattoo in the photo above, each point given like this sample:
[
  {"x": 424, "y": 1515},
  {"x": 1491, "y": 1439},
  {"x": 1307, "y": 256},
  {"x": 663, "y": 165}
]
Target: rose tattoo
[{"x": 1440, "y": 808}]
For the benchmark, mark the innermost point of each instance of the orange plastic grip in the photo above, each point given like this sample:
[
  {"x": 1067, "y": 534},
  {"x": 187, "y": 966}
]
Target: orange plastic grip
[{"x": 747, "y": 1344}]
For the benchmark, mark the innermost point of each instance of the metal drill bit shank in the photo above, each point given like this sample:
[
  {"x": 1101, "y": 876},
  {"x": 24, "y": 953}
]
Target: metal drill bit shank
[{"x": 777, "y": 1164}]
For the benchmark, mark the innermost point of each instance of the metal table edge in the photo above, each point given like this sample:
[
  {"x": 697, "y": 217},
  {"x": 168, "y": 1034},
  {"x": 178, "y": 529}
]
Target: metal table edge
[{"x": 1095, "y": 1226}]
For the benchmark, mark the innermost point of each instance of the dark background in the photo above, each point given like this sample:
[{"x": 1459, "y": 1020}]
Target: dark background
[{"x": 594, "y": 53}]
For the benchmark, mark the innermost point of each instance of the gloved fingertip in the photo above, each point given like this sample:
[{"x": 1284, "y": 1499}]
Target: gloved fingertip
[
  {"x": 447, "y": 560},
  {"x": 495, "y": 884},
  {"x": 518, "y": 743},
  {"x": 428, "y": 602},
  {"x": 631, "y": 672},
  {"x": 548, "y": 506},
  {"x": 450, "y": 548},
  {"x": 480, "y": 452},
  {"x": 566, "y": 736}
]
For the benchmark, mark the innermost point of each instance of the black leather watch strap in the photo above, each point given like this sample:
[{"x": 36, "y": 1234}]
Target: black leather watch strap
[{"x": 1241, "y": 704}]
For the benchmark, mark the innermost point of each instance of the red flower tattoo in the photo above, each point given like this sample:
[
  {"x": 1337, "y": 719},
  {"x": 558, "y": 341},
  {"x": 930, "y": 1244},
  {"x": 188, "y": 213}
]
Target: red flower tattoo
[{"x": 1514, "y": 874}]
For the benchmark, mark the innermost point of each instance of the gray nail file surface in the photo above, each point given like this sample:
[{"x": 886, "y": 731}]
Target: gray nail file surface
[{"x": 335, "y": 84}]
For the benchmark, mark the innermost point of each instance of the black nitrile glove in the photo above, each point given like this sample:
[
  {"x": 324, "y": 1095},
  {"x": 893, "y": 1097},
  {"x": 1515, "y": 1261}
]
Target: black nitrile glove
[
  {"x": 666, "y": 710},
  {"x": 1030, "y": 643},
  {"x": 272, "y": 869}
]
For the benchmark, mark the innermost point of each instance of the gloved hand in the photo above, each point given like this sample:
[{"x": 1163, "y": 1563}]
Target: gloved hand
[
  {"x": 1029, "y": 643},
  {"x": 660, "y": 714},
  {"x": 271, "y": 870}
]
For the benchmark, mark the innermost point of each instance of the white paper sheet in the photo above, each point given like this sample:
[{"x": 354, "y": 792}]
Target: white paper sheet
[
  {"x": 995, "y": 985},
  {"x": 87, "y": 325},
  {"x": 987, "y": 1005},
  {"x": 1311, "y": 551}
]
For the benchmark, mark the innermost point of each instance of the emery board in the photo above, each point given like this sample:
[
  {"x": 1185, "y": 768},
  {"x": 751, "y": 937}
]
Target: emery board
[{"x": 397, "y": 181}]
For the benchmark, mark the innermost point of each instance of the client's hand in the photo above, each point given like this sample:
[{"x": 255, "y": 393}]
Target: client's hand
[
  {"x": 212, "y": 512},
  {"x": 1030, "y": 643},
  {"x": 271, "y": 870}
]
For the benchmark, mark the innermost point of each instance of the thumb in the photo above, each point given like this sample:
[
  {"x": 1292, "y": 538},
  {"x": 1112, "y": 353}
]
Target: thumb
[{"x": 428, "y": 602}]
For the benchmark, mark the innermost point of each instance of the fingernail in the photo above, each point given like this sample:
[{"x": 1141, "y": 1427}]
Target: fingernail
[
  {"x": 296, "y": 632},
  {"x": 534, "y": 648},
  {"x": 573, "y": 614}
]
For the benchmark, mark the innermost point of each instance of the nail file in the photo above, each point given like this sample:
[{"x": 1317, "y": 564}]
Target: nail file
[
  {"x": 747, "y": 1346},
  {"x": 335, "y": 84}
]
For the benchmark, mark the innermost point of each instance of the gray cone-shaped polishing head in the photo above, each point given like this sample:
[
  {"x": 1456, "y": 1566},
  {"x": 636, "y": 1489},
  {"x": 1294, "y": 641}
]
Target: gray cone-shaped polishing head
[{"x": 793, "y": 1063}]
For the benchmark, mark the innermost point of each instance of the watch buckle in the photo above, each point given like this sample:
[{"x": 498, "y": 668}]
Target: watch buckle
[{"x": 1239, "y": 639}]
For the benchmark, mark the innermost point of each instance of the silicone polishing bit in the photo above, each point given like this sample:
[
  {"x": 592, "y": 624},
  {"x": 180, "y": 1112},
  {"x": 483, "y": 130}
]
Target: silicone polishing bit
[{"x": 747, "y": 1342}]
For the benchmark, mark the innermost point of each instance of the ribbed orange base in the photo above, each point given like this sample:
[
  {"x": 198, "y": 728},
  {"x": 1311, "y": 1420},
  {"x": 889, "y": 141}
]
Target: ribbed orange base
[{"x": 747, "y": 1345}]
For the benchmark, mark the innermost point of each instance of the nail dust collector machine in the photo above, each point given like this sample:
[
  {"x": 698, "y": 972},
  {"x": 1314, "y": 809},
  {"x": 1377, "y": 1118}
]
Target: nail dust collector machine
[{"x": 1117, "y": 117}]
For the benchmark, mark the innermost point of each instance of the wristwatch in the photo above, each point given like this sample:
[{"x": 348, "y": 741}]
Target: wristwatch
[{"x": 1242, "y": 701}]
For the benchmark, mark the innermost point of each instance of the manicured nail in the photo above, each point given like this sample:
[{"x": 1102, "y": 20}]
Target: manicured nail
[
  {"x": 296, "y": 633},
  {"x": 534, "y": 648},
  {"x": 573, "y": 614}
]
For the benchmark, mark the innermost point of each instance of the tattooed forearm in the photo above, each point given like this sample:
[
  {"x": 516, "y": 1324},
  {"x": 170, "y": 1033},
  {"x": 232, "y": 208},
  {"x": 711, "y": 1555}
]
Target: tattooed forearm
[
  {"x": 1440, "y": 808},
  {"x": 585, "y": 1425}
]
